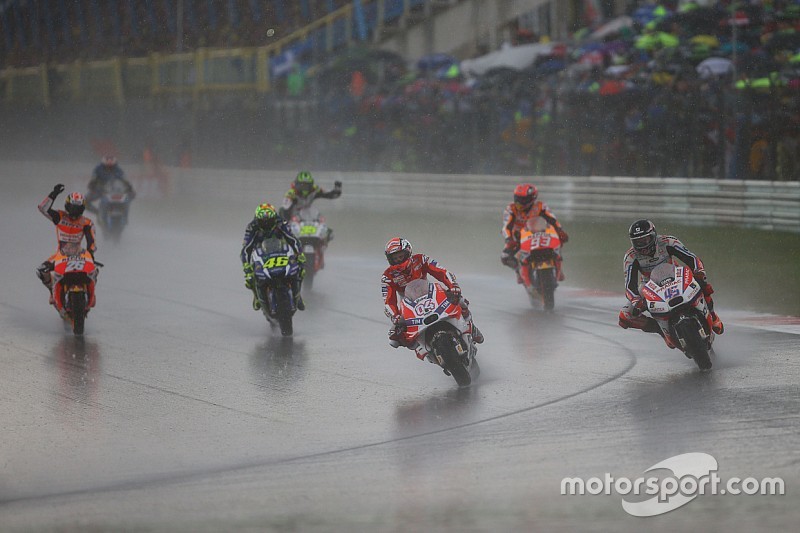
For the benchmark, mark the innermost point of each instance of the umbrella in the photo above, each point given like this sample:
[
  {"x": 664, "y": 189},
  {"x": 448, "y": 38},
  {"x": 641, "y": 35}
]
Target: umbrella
[
  {"x": 611, "y": 27},
  {"x": 706, "y": 40},
  {"x": 435, "y": 61},
  {"x": 659, "y": 39},
  {"x": 714, "y": 66},
  {"x": 514, "y": 57}
]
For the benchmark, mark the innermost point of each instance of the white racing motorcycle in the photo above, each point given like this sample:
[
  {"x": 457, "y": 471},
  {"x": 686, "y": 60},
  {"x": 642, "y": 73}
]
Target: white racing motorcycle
[
  {"x": 674, "y": 298},
  {"x": 312, "y": 230},
  {"x": 436, "y": 329}
]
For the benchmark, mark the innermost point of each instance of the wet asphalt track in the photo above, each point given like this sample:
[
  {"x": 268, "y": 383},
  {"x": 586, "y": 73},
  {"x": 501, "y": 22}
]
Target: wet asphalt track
[{"x": 180, "y": 410}]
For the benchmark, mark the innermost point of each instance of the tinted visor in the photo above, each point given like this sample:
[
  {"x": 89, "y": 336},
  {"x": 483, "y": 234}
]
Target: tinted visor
[
  {"x": 267, "y": 223},
  {"x": 74, "y": 211},
  {"x": 645, "y": 243},
  {"x": 304, "y": 188},
  {"x": 523, "y": 201},
  {"x": 395, "y": 258}
]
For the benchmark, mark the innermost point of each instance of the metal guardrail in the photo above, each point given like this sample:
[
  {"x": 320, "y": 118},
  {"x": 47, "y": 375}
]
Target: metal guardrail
[
  {"x": 770, "y": 205},
  {"x": 766, "y": 205}
]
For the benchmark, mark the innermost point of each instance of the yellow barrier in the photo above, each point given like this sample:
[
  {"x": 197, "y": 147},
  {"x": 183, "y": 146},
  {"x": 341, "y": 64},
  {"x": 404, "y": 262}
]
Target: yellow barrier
[{"x": 204, "y": 71}]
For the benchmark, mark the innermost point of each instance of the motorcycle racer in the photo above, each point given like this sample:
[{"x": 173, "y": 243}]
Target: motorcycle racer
[
  {"x": 71, "y": 227},
  {"x": 107, "y": 171},
  {"x": 302, "y": 194},
  {"x": 648, "y": 250},
  {"x": 524, "y": 208},
  {"x": 405, "y": 267},
  {"x": 265, "y": 224}
]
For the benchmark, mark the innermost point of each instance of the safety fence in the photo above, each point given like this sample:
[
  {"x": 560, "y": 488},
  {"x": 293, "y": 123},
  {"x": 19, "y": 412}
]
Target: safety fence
[{"x": 755, "y": 204}]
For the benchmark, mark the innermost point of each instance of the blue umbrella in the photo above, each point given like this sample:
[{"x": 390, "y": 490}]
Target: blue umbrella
[{"x": 435, "y": 62}]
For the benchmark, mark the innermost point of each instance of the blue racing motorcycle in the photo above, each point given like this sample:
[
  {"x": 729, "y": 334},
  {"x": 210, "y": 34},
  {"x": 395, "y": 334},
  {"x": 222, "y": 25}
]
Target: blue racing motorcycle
[{"x": 276, "y": 268}]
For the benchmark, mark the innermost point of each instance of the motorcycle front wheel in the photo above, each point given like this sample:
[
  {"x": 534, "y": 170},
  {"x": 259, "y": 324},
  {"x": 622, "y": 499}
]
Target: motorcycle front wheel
[
  {"x": 696, "y": 346},
  {"x": 283, "y": 310},
  {"x": 547, "y": 288},
  {"x": 444, "y": 345},
  {"x": 77, "y": 309}
]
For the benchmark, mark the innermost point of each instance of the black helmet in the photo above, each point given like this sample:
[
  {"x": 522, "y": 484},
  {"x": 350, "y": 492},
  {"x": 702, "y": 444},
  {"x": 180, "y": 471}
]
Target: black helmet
[{"x": 643, "y": 237}]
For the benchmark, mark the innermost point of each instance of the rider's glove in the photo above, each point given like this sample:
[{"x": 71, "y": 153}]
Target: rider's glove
[
  {"x": 562, "y": 235},
  {"x": 337, "y": 188},
  {"x": 637, "y": 306},
  {"x": 249, "y": 276},
  {"x": 453, "y": 293},
  {"x": 398, "y": 322},
  {"x": 508, "y": 259},
  {"x": 301, "y": 258},
  {"x": 58, "y": 189}
]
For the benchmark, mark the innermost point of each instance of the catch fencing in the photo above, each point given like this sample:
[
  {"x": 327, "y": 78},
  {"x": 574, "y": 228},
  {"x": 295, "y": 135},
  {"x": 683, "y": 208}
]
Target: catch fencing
[
  {"x": 766, "y": 205},
  {"x": 757, "y": 204}
]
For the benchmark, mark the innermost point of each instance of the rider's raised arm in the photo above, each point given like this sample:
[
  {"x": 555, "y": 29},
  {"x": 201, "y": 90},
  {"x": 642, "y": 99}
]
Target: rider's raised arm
[
  {"x": 46, "y": 205},
  {"x": 336, "y": 192}
]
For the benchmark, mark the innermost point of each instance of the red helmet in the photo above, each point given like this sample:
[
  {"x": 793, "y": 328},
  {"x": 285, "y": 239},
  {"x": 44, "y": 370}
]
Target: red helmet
[
  {"x": 398, "y": 253},
  {"x": 524, "y": 195},
  {"x": 75, "y": 204}
]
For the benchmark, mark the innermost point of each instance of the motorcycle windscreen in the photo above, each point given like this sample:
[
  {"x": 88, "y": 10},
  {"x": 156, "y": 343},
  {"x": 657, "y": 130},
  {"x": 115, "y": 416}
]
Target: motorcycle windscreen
[{"x": 417, "y": 289}]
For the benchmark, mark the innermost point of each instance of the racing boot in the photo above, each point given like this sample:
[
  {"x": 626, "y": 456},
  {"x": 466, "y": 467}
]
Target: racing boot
[
  {"x": 298, "y": 298},
  {"x": 477, "y": 336},
  {"x": 716, "y": 324},
  {"x": 256, "y": 301}
]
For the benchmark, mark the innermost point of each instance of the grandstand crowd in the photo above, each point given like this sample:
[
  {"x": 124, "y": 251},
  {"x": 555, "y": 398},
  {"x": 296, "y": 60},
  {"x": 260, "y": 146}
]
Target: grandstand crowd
[{"x": 677, "y": 88}]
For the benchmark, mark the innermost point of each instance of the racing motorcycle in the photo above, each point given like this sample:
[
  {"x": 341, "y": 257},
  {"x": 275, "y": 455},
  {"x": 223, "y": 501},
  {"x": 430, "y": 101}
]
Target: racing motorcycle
[
  {"x": 113, "y": 207},
  {"x": 74, "y": 277},
  {"x": 674, "y": 298},
  {"x": 536, "y": 262},
  {"x": 275, "y": 267},
  {"x": 313, "y": 232},
  {"x": 435, "y": 327}
]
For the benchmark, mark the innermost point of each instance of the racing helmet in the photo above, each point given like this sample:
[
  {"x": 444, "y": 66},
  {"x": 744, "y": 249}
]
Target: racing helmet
[
  {"x": 75, "y": 205},
  {"x": 643, "y": 237},
  {"x": 304, "y": 183},
  {"x": 524, "y": 195},
  {"x": 109, "y": 160},
  {"x": 266, "y": 217},
  {"x": 398, "y": 253}
]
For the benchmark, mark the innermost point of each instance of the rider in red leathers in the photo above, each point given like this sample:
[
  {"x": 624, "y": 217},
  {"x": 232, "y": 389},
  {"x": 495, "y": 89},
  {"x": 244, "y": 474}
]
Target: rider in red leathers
[
  {"x": 649, "y": 250},
  {"x": 405, "y": 267},
  {"x": 524, "y": 208}
]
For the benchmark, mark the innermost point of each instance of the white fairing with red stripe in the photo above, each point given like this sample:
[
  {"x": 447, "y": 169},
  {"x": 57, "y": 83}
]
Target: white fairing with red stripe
[
  {"x": 668, "y": 288},
  {"x": 424, "y": 304}
]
